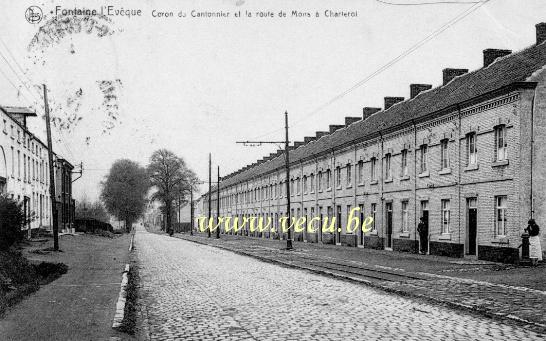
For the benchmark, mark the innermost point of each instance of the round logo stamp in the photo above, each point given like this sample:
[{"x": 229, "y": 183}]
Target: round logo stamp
[{"x": 34, "y": 14}]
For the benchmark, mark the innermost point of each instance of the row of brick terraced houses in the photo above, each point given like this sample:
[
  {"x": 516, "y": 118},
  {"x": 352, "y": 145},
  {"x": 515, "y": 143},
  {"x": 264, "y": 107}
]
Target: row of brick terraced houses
[
  {"x": 24, "y": 172},
  {"x": 467, "y": 156}
]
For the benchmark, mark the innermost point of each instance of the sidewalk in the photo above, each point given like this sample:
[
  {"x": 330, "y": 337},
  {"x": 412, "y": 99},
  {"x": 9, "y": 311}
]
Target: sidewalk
[
  {"x": 514, "y": 294},
  {"x": 80, "y": 305}
]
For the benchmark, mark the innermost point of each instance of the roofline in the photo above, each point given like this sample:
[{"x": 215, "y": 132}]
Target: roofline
[
  {"x": 34, "y": 137},
  {"x": 30, "y": 113},
  {"x": 444, "y": 111}
]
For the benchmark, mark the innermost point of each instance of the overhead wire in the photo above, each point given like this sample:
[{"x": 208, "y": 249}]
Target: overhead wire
[
  {"x": 427, "y": 3},
  {"x": 37, "y": 101},
  {"x": 386, "y": 66}
]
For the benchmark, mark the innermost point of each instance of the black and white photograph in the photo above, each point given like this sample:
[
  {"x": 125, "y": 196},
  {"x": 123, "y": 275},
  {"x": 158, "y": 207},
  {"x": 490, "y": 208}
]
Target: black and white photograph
[{"x": 214, "y": 170}]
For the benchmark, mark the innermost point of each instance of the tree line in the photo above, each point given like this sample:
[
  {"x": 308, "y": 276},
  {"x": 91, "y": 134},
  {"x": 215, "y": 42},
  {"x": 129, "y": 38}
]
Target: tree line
[{"x": 128, "y": 187}]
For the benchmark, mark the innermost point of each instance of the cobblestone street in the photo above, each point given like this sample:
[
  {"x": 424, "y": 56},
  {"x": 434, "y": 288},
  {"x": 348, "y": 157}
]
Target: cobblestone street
[{"x": 197, "y": 292}]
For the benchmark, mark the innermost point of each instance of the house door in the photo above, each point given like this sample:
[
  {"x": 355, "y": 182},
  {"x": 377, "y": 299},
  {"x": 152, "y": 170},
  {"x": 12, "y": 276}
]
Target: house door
[
  {"x": 361, "y": 222},
  {"x": 320, "y": 227},
  {"x": 26, "y": 210},
  {"x": 472, "y": 228},
  {"x": 388, "y": 208},
  {"x": 338, "y": 223},
  {"x": 424, "y": 238}
]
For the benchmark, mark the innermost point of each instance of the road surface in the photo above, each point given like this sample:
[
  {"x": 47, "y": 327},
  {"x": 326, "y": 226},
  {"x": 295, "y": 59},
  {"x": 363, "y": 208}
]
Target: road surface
[{"x": 198, "y": 292}]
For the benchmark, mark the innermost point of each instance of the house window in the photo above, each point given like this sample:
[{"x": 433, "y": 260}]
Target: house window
[
  {"x": 500, "y": 215},
  {"x": 328, "y": 179},
  {"x": 349, "y": 175},
  {"x": 471, "y": 149},
  {"x": 405, "y": 216},
  {"x": 312, "y": 182},
  {"x": 404, "y": 170},
  {"x": 320, "y": 181},
  {"x": 424, "y": 158},
  {"x": 446, "y": 216},
  {"x": 292, "y": 187},
  {"x": 305, "y": 184},
  {"x": 388, "y": 170},
  {"x": 373, "y": 213},
  {"x": 12, "y": 162},
  {"x": 298, "y": 185},
  {"x": 360, "y": 172},
  {"x": 444, "y": 154},
  {"x": 338, "y": 177},
  {"x": 501, "y": 146},
  {"x": 373, "y": 166},
  {"x": 347, "y": 219}
]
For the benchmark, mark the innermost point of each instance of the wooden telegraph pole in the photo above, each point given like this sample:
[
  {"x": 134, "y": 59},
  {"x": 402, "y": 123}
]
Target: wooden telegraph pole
[
  {"x": 218, "y": 204},
  {"x": 51, "y": 175},
  {"x": 191, "y": 210},
  {"x": 286, "y": 142},
  {"x": 289, "y": 245},
  {"x": 210, "y": 194}
]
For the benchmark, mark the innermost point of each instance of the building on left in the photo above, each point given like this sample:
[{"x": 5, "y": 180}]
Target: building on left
[{"x": 24, "y": 173}]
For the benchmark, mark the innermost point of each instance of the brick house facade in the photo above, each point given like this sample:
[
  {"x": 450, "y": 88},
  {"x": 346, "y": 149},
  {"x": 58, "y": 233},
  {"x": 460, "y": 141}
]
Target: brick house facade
[
  {"x": 467, "y": 156},
  {"x": 24, "y": 171}
]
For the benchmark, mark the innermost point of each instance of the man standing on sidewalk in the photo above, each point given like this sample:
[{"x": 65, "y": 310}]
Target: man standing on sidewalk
[{"x": 422, "y": 228}]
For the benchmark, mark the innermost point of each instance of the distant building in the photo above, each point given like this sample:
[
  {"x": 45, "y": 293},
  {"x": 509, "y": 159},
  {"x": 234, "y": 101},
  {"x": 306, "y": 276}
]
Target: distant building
[
  {"x": 468, "y": 157},
  {"x": 153, "y": 217},
  {"x": 24, "y": 172}
]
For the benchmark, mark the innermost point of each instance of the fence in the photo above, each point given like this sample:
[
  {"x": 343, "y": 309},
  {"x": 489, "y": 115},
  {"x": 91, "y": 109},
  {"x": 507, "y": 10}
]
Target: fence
[{"x": 91, "y": 225}]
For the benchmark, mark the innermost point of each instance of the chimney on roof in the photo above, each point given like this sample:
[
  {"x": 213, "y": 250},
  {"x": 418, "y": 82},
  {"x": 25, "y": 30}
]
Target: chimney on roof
[
  {"x": 367, "y": 112},
  {"x": 416, "y": 89},
  {"x": 349, "y": 120},
  {"x": 320, "y": 134},
  {"x": 334, "y": 127},
  {"x": 541, "y": 32},
  {"x": 298, "y": 143},
  {"x": 390, "y": 101},
  {"x": 449, "y": 74},
  {"x": 490, "y": 55},
  {"x": 308, "y": 139}
]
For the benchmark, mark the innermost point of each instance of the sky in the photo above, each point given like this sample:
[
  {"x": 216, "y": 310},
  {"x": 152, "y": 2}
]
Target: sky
[{"x": 197, "y": 85}]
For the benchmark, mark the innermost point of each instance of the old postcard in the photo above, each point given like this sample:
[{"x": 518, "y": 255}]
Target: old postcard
[{"x": 273, "y": 170}]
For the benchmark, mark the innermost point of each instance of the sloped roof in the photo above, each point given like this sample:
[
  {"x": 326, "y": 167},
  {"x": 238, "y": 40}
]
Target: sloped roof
[
  {"x": 516, "y": 67},
  {"x": 18, "y": 110}
]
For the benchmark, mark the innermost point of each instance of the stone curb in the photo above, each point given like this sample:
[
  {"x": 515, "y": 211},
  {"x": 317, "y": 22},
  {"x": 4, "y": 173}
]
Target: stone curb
[
  {"x": 120, "y": 305},
  {"x": 481, "y": 311},
  {"x": 132, "y": 241}
]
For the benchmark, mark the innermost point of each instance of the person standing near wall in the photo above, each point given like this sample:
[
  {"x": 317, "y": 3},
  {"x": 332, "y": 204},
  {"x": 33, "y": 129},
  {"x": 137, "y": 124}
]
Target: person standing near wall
[
  {"x": 535, "y": 250},
  {"x": 422, "y": 229}
]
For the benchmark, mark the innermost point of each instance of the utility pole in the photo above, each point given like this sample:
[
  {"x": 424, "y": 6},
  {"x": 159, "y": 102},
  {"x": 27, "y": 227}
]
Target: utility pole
[
  {"x": 218, "y": 204},
  {"x": 179, "y": 214},
  {"x": 287, "y": 165},
  {"x": 191, "y": 210},
  {"x": 210, "y": 194},
  {"x": 51, "y": 175},
  {"x": 286, "y": 142}
]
